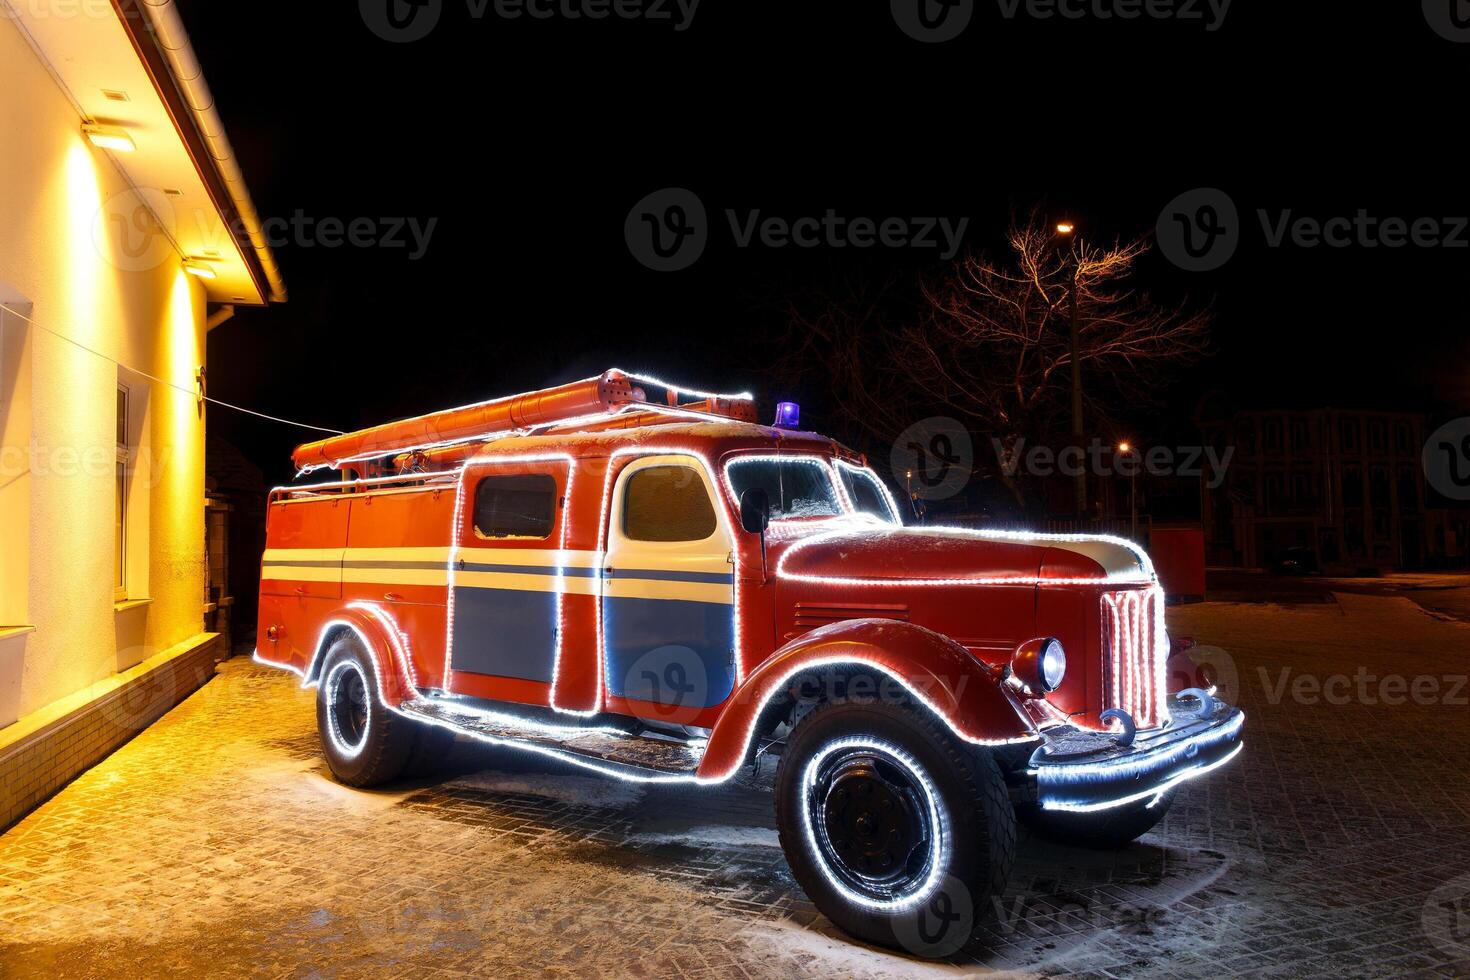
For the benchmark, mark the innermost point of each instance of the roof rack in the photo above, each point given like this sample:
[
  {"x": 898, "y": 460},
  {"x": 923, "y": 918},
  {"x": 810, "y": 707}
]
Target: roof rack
[{"x": 608, "y": 393}]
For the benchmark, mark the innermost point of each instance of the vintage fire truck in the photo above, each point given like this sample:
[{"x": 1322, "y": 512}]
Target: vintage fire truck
[{"x": 641, "y": 580}]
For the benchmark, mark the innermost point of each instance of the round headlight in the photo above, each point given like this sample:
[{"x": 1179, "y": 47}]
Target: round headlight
[
  {"x": 1040, "y": 665},
  {"x": 1053, "y": 665}
]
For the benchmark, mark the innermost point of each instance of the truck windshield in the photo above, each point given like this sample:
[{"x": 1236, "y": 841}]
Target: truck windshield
[{"x": 797, "y": 488}]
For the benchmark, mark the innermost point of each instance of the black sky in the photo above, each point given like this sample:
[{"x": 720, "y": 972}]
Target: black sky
[{"x": 529, "y": 141}]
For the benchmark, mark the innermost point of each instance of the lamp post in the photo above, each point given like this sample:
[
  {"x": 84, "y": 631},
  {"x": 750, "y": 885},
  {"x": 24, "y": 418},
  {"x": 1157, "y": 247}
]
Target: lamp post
[
  {"x": 1065, "y": 229},
  {"x": 1125, "y": 448}
]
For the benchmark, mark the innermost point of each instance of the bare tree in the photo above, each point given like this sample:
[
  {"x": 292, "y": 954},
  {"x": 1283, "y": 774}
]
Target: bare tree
[{"x": 989, "y": 342}]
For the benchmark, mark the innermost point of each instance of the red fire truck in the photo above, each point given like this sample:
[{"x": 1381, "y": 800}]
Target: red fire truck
[{"x": 641, "y": 580}]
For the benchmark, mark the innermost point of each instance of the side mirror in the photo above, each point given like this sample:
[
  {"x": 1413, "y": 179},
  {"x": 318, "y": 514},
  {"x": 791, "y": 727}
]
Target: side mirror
[{"x": 755, "y": 510}]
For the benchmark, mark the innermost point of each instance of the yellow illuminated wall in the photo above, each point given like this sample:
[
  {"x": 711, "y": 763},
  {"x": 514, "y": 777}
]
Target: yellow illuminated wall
[{"x": 61, "y": 251}]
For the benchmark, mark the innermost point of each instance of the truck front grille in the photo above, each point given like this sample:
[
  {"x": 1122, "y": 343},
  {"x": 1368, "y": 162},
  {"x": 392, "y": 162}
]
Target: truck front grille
[{"x": 1133, "y": 664}]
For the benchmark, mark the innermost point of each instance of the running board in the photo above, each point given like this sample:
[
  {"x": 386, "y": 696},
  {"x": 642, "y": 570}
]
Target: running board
[{"x": 638, "y": 755}]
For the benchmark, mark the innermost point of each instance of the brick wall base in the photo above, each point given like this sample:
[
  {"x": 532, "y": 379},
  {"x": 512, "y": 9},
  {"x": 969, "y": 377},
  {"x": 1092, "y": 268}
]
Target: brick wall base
[{"x": 40, "y": 755}]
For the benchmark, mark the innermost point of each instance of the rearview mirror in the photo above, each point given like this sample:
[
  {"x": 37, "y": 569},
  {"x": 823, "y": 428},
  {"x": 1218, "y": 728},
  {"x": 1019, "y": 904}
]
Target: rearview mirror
[{"x": 755, "y": 510}]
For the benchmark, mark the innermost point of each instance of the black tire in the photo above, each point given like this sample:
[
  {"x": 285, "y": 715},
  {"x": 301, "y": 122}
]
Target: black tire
[
  {"x": 850, "y": 810},
  {"x": 365, "y": 743},
  {"x": 1105, "y": 830}
]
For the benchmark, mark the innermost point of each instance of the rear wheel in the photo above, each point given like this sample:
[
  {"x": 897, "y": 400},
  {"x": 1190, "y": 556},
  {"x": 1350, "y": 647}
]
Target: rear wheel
[
  {"x": 365, "y": 744},
  {"x": 1102, "y": 829},
  {"x": 899, "y": 833}
]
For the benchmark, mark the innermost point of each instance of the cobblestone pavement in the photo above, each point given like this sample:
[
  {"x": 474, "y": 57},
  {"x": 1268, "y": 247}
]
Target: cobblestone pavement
[{"x": 215, "y": 843}]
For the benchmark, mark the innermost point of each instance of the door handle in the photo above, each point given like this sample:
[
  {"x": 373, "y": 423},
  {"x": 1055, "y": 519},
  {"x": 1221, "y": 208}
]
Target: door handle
[
  {"x": 391, "y": 597},
  {"x": 301, "y": 590}
]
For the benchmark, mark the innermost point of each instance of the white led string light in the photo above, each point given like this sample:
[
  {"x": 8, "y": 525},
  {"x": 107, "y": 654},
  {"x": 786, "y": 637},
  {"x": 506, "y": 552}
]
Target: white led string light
[
  {"x": 1144, "y": 577},
  {"x": 334, "y": 679},
  {"x": 940, "y": 846}
]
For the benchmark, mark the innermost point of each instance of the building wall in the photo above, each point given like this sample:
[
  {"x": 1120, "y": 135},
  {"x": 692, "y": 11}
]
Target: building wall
[
  {"x": 69, "y": 233},
  {"x": 1346, "y": 484}
]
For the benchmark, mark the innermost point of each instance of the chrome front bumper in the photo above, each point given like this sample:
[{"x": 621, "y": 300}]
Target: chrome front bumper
[{"x": 1084, "y": 771}]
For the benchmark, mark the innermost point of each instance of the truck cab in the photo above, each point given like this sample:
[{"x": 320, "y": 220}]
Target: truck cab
[{"x": 662, "y": 589}]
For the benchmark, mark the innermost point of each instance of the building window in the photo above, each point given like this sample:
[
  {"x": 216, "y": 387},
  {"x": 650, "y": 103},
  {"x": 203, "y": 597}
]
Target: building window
[
  {"x": 15, "y": 482},
  {"x": 120, "y": 537},
  {"x": 522, "y": 506},
  {"x": 667, "y": 503},
  {"x": 1349, "y": 435}
]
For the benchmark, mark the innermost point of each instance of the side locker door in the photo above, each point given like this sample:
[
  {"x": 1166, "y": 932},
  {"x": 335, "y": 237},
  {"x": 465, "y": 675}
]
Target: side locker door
[
  {"x": 507, "y": 581},
  {"x": 668, "y": 601}
]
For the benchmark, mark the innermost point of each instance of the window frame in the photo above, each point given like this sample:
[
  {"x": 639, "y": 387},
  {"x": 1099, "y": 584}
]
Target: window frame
[
  {"x": 654, "y": 463},
  {"x": 843, "y": 467},
  {"x": 556, "y": 505},
  {"x": 124, "y": 459}
]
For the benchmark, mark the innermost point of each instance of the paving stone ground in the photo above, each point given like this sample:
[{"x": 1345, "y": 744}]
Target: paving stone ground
[{"x": 216, "y": 844}]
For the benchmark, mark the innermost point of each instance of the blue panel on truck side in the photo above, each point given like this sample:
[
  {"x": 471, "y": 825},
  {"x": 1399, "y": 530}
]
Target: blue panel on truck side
[
  {"x": 505, "y": 633},
  {"x": 670, "y": 651}
]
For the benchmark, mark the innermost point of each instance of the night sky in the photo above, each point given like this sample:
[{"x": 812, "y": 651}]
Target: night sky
[{"x": 529, "y": 142}]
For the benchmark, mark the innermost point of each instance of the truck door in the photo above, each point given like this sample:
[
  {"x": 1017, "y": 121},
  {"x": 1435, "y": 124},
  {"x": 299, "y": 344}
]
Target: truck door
[
  {"x": 509, "y": 579},
  {"x": 668, "y": 603}
]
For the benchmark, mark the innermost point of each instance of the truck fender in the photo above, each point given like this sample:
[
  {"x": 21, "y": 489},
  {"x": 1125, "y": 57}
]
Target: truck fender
[
  {"x": 386, "y": 646},
  {"x": 915, "y": 663}
]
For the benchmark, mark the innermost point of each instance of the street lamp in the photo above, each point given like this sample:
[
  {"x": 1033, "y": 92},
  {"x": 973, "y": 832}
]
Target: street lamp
[
  {"x": 1125, "y": 448},
  {"x": 1065, "y": 229}
]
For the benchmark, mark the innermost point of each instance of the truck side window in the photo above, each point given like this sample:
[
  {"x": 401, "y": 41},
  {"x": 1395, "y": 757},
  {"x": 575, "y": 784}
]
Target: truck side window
[
  {"x": 667, "y": 503},
  {"x": 521, "y": 506}
]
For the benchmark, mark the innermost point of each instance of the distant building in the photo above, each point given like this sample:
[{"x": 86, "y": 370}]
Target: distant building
[{"x": 1348, "y": 486}]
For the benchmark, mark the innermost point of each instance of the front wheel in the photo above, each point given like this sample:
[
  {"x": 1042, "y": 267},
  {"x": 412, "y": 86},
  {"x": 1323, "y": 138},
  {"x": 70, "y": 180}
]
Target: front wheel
[
  {"x": 1101, "y": 829},
  {"x": 899, "y": 833}
]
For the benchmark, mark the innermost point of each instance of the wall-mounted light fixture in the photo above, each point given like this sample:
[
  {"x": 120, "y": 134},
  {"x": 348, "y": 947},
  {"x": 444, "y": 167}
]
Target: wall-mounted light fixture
[{"x": 112, "y": 138}]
